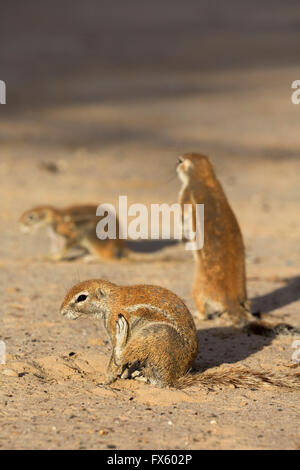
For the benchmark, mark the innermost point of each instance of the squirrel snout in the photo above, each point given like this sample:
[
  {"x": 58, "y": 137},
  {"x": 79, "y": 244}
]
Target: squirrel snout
[
  {"x": 63, "y": 311},
  {"x": 69, "y": 313}
]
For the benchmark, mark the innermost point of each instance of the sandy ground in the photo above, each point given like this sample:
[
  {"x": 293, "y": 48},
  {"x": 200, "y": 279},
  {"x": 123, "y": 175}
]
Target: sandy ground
[{"x": 122, "y": 135}]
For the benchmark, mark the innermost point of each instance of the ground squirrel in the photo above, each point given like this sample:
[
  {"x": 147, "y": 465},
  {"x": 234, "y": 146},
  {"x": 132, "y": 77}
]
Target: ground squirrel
[
  {"x": 72, "y": 227},
  {"x": 153, "y": 337},
  {"x": 220, "y": 280},
  {"x": 75, "y": 227},
  {"x": 151, "y": 330}
]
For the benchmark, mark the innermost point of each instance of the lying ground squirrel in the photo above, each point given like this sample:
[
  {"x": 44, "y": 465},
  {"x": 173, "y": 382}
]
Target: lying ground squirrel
[
  {"x": 153, "y": 337},
  {"x": 72, "y": 227},
  {"x": 220, "y": 279}
]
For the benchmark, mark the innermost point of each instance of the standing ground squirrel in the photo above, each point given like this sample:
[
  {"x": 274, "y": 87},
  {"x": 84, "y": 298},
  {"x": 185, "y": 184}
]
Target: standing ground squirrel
[
  {"x": 220, "y": 280},
  {"x": 72, "y": 227},
  {"x": 153, "y": 337}
]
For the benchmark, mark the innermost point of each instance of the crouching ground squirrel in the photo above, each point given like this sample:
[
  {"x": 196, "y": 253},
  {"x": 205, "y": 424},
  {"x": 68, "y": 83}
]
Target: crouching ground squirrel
[
  {"x": 72, "y": 227},
  {"x": 153, "y": 336},
  {"x": 151, "y": 330},
  {"x": 220, "y": 280}
]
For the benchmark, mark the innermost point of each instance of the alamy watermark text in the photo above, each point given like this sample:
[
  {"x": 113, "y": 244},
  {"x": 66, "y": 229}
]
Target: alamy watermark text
[{"x": 163, "y": 222}]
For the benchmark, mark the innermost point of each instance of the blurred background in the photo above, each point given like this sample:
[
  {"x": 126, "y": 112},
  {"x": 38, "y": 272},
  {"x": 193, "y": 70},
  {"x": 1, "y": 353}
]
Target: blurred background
[
  {"x": 103, "y": 96},
  {"x": 61, "y": 51}
]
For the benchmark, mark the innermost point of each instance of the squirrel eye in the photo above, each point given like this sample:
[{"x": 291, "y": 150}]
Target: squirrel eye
[
  {"x": 180, "y": 160},
  {"x": 81, "y": 298}
]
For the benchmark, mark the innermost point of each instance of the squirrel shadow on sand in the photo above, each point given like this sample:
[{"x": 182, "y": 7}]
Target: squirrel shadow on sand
[
  {"x": 149, "y": 246},
  {"x": 135, "y": 246},
  {"x": 277, "y": 298},
  {"x": 226, "y": 345},
  {"x": 221, "y": 345}
]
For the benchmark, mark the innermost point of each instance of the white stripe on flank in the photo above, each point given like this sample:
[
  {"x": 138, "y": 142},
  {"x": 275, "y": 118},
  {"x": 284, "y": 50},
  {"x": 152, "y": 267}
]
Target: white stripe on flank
[{"x": 135, "y": 307}]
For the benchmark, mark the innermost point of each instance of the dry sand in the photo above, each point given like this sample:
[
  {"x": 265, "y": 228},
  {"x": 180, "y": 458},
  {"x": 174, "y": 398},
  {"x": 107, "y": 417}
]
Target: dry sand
[{"x": 125, "y": 140}]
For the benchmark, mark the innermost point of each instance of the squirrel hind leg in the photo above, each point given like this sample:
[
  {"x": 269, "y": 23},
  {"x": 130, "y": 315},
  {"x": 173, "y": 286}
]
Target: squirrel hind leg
[
  {"x": 201, "y": 312},
  {"x": 157, "y": 377},
  {"x": 149, "y": 373},
  {"x": 239, "y": 317},
  {"x": 207, "y": 309},
  {"x": 138, "y": 375},
  {"x": 158, "y": 349},
  {"x": 235, "y": 313}
]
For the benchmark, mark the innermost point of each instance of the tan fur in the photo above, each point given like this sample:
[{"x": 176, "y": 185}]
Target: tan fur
[
  {"x": 71, "y": 227},
  {"x": 220, "y": 279},
  {"x": 161, "y": 341},
  {"x": 153, "y": 337},
  {"x": 75, "y": 226}
]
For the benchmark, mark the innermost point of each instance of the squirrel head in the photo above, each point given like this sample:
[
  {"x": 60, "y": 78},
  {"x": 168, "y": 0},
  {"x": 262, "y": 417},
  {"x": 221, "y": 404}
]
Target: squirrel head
[
  {"x": 194, "y": 166},
  {"x": 88, "y": 298},
  {"x": 35, "y": 218}
]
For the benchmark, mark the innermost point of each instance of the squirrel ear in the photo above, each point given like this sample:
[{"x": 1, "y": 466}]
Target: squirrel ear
[{"x": 100, "y": 293}]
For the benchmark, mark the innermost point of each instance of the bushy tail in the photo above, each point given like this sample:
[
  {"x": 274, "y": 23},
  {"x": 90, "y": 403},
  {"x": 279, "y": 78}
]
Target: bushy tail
[{"x": 240, "y": 377}]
